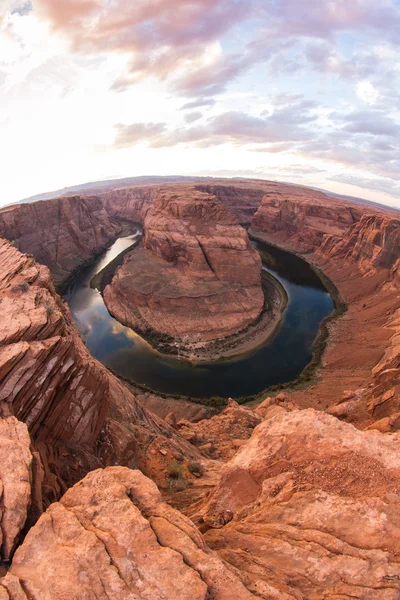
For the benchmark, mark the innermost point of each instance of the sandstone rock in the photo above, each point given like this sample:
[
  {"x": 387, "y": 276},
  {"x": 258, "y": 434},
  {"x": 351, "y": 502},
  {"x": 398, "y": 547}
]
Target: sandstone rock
[
  {"x": 129, "y": 204},
  {"x": 306, "y": 215},
  {"x": 345, "y": 410},
  {"x": 171, "y": 420},
  {"x": 63, "y": 233},
  {"x": 112, "y": 536},
  {"x": 234, "y": 423},
  {"x": 196, "y": 277},
  {"x": 387, "y": 424},
  {"x": 357, "y": 247},
  {"x": 242, "y": 200},
  {"x": 79, "y": 416},
  {"x": 15, "y": 483},
  {"x": 315, "y": 510}
]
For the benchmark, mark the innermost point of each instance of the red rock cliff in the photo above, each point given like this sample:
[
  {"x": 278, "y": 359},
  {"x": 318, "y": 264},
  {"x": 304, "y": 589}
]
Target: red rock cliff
[
  {"x": 358, "y": 248},
  {"x": 79, "y": 415},
  {"x": 195, "y": 276},
  {"x": 63, "y": 233}
]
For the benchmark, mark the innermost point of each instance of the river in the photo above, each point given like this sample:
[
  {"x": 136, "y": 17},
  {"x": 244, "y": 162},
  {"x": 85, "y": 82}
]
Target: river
[{"x": 279, "y": 360}]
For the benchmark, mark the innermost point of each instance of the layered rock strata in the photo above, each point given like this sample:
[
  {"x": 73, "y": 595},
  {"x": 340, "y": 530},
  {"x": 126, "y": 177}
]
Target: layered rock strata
[
  {"x": 80, "y": 417},
  {"x": 64, "y": 233},
  {"x": 16, "y": 483},
  {"x": 358, "y": 249},
  {"x": 129, "y": 204},
  {"x": 195, "y": 276},
  {"x": 241, "y": 200}
]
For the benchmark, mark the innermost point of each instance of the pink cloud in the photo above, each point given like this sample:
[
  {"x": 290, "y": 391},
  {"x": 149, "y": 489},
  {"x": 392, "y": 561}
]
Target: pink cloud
[
  {"x": 160, "y": 35},
  {"x": 167, "y": 38},
  {"x": 287, "y": 124}
]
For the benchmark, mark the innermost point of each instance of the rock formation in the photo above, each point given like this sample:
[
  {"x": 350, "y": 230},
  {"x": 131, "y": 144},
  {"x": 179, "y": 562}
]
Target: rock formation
[
  {"x": 195, "y": 276},
  {"x": 64, "y": 234},
  {"x": 308, "y": 508},
  {"x": 358, "y": 248},
  {"x": 240, "y": 199},
  {"x": 129, "y": 204},
  {"x": 306, "y": 215},
  {"x": 16, "y": 478},
  {"x": 112, "y": 536},
  {"x": 286, "y": 502},
  {"x": 80, "y": 417}
]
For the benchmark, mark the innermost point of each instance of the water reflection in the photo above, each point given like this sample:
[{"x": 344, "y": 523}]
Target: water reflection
[{"x": 281, "y": 359}]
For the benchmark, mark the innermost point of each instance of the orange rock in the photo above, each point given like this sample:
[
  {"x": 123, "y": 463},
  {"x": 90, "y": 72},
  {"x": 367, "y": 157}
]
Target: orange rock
[
  {"x": 195, "y": 277},
  {"x": 315, "y": 506},
  {"x": 15, "y": 483},
  {"x": 63, "y": 233},
  {"x": 112, "y": 536}
]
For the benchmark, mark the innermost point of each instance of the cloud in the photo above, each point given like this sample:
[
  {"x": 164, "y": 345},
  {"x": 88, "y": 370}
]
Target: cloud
[
  {"x": 199, "y": 103},
  {"x": 192, "y": 117},
  {"x": 128, "y": 135},
  {"x": 289, "y": 123},
  {"x": 175, "y": 40},
  {"x": 158, "y": 37},
  {"x": 368, "y": 183},
  {"x": 370, "y": 122}
]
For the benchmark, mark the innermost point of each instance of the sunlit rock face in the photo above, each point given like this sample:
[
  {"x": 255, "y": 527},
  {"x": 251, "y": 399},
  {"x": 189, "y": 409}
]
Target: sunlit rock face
[
  {"x": 195, "y": 275},
  {"x": 16, "y": 476},
  {"x": 79, "y": 415},
  {"x": 64, "y": 233},
  {"x": 112, "y": 536},
  {"x": 308, "y": 508}
]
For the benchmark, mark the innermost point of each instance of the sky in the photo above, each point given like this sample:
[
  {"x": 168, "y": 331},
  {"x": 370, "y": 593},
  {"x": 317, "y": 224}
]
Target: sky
[{"x": 303, "y": 91}]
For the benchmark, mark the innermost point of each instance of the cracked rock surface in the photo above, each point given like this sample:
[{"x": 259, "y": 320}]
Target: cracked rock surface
[
  {"x": 195, "y": 276},
  {"x": 112, "y": 537},
  {"x": 314, "y": 510},
  {"x": 15, "y": 482}
]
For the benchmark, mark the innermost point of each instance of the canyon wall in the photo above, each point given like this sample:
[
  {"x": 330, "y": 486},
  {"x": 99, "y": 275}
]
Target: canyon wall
[
  {"x": 358, "y": 249},
  {"x": 63, "y": 233},
  {"x": 241, "y": 200},
  {"x": 195, "y": 275},
  {"x": 306, "y": 218},
  {"x": 80, "y": 417},
  {"x": 129, "y": 204}
]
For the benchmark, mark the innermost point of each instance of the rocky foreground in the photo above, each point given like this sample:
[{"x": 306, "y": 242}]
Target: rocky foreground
[
  {"x": 195, "y": 277},
  {"x": 100, "y": 498}
]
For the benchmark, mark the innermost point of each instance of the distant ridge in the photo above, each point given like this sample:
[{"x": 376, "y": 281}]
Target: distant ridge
[{"x": 100, "y": 187}]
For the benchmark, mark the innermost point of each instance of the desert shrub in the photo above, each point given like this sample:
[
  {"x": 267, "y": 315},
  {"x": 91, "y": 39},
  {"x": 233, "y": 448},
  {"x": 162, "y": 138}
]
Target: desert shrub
[
  {"x": 196, "y": 468},
  {"x": 178, "y": 485},
  {"x": 49, "y": 308},
  {"x": 175, "y": 471},
  {"x": 20, "y": 287}
]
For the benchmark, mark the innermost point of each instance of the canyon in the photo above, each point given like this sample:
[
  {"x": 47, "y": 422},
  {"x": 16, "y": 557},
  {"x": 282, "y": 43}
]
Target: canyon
[
  {"x": 293, "y": 496},
  {"x": 194, "y": 278}
]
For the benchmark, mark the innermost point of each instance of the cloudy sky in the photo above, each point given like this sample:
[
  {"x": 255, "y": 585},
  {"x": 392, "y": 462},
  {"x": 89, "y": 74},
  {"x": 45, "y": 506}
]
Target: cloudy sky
[{"x": 293, "y": 90}]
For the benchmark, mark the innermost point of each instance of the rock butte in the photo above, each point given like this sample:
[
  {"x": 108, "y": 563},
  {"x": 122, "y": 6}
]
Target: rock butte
[
  {"x": 284, "y": 500},
  {"x": 195, "y": 276}
]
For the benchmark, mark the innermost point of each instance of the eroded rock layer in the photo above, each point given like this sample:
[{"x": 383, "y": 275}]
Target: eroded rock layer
[
  {"x": 112, "y": 536},
  {"x": 195, "y": 276},
  {"x": 16, "y": 477},
  {"x": 80, "y": 417},
  {"x": 309, "y": 508},
  {"x": 358, "y": 248},
  {"x": 63, "y": 233}
]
